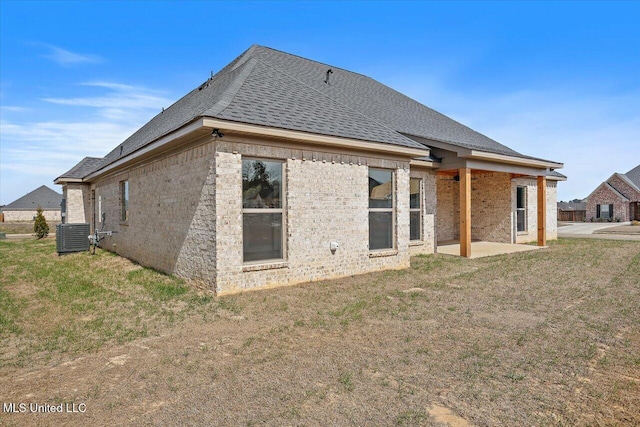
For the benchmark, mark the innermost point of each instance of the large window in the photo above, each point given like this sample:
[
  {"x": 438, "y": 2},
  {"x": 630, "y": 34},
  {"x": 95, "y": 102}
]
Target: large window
[
  {"x": 381, "y": 217},
  {"x": 124, "y": 200},
  {"x": 521, "y": 209},
  {"x": 604, "y": 211},
  {"x": 415, "y": 205},
  {"x": 262, "y": 210}
]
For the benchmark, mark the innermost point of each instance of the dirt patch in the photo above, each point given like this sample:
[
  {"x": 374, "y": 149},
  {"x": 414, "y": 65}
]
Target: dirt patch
[
  {"x": 490, "y": 341},
  {"x": 444, "y": 415}
]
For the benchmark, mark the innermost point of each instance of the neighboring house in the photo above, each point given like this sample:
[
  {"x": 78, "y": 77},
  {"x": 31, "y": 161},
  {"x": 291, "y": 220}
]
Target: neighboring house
[
  {"x": 280, "y": 170},
  {"x": 24, "y": 208},
  {"x": 616, "y": 199}
]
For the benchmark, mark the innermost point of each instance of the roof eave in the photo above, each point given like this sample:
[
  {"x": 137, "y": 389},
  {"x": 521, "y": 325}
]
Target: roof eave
[
  {"x": 469, "y": 153},
  {"x": 314, "y": 138},
  {"x": 147, "y": 149},
  {"x": 424, "y": 164},
  {"x": 246, "y": 128},
  {"x": 61, "y": 180},
  {"x": 502, "y": 158}
]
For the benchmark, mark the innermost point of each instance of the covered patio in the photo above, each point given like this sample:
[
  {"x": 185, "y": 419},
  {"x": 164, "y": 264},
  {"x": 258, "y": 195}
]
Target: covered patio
[
  {"x": 480, "y": 249},
  {"x": 495, "y": 200}
]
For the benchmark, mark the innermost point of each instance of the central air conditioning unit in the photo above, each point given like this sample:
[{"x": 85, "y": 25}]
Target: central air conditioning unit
[{"x": 72, "y": 238}]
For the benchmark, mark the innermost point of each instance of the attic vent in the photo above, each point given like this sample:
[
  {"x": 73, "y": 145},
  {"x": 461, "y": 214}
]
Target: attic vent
[
  {"x": 121, "y": 148},
  {"x": 329, "y": 72}
]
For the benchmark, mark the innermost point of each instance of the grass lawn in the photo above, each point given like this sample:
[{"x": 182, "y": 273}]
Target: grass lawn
[
  {"x": 548, "y": 337},
  {"x": 24, "y": 227}
]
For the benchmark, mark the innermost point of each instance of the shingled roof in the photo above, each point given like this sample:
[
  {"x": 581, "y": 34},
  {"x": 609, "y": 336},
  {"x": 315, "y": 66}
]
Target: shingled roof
[
  {"x": 42, "y": 196},
  {"x": 271, "y": 88},
  {"x": 82, "y": 169},
  {"x": 634, "y": 176}
]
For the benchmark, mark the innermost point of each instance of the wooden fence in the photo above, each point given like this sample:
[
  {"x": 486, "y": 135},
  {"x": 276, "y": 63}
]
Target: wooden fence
[{"x": 572, "y": 216}]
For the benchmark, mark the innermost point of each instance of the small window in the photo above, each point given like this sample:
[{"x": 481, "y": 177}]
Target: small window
[
  {"x": 415, "y": 211},
  {"x": 124, "y": 200},
  {"x": 381, "y": 216},
  {"x": 262, "y": 210},
  {"x": 521, "y": 209},
  {"x": 604, "y": 211}
]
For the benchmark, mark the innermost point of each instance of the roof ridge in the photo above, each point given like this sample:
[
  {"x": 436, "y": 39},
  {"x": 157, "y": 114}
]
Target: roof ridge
[
  {"x": 232, "y": 89},
  {"x": 306, "y": 59},
  {"x": 269, "y": 64}
]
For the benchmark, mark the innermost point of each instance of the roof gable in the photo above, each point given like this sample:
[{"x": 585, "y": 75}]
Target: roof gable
[{"x": 42, "y": 196}]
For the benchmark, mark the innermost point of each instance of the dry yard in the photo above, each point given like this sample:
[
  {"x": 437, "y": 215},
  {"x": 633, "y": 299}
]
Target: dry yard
[{"x": 549, "y": 337}]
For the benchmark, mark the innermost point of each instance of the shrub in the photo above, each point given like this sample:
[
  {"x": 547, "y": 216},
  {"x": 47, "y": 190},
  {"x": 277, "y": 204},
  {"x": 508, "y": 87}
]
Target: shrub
[{"x": 40, "y": 227}]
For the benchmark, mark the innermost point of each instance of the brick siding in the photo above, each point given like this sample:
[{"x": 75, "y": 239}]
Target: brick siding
[
  {"x": 49, "y": 215},
  {"x": 603, "y": 195},
  {"x": 185, "y": 213}
]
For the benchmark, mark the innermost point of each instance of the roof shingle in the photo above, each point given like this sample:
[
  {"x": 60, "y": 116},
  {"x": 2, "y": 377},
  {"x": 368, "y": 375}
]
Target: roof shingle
[
  {"x": 267, "y": 87},
  {"x": 42, "y": 196}
]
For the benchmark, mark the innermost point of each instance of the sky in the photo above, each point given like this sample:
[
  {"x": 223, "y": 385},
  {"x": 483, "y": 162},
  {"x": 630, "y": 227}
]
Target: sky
[{"x": 555, "y": 80}]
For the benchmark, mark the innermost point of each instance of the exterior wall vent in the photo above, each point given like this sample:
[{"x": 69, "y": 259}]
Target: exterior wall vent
[{"x": 72, "y": 238}]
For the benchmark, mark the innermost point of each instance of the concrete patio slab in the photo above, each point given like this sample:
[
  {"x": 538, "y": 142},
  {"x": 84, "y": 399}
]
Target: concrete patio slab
[{"x": 484, "y": 249}]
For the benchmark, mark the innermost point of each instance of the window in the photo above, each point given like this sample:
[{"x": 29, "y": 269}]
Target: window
[
  {"x": 262, "y": 210},
  {"x": 521, "y": 209},
  {"x": 415, "y": 205},
  {"x": 124, "y": 200},
  {"x": 381, "y": 217},
  {"x": 604, "y": 211}
]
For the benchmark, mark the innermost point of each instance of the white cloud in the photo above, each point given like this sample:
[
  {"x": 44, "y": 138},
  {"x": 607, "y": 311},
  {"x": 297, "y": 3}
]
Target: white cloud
[
  {"x": 594, "y": 135},
  {"x": 120, "y": 98},
  {"x": 13, "y": 108},
  {"x": 45, "y": 149},
  {"x": 67, "y": 58}
]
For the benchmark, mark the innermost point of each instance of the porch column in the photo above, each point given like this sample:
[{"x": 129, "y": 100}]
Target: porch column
[
  {"x": 465, "y": 212},
  {"x": 542, "y": 211}
]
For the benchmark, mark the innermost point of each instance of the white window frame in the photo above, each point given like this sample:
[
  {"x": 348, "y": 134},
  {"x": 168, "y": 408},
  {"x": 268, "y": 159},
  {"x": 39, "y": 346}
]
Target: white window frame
[
  {"x": 281, "y": 210},
  {"x": 418, "y": 209},
  {"x": 522, "y": 209},
  {"x": 392, "y": 209},
  {"x": 125, "y": 196}
]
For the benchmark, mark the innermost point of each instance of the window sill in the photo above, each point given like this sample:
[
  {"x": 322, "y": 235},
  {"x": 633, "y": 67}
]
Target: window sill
[
  {"x": 522, "y": 233},
  {"x": 383, "y": 252},
  {"x": 125, "y": 223},
  {"x": 267, "y": 266},
  {"x": 416, "y": 243}
]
